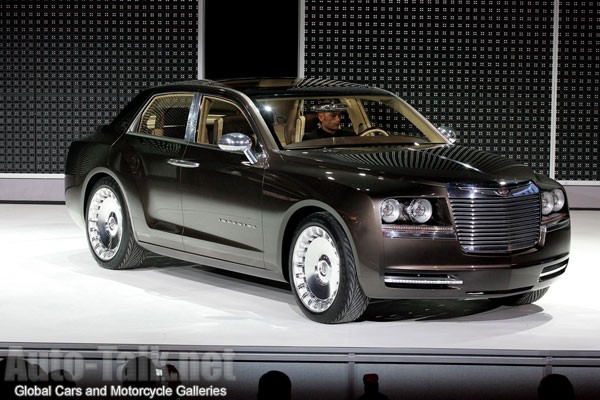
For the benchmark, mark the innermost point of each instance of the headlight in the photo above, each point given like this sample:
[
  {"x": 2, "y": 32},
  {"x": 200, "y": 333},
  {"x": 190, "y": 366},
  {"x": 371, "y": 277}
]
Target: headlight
[
  {"x": 419, "y": 210},
  {"x": 559, "y": 199},
  {"x": 547, "y": 203},
  {"x": 390, "y": 210}
]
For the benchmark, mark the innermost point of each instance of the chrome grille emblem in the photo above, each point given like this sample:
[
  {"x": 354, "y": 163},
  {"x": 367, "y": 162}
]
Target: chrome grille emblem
[{"x": 502, "y": 192}]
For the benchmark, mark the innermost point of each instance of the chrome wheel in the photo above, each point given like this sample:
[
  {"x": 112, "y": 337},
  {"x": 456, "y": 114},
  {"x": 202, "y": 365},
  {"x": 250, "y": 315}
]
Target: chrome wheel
[
  {"x": 316, "y": 269},
  {"x": 323, "y": 272},
  {"x": 104, "y": 223}
]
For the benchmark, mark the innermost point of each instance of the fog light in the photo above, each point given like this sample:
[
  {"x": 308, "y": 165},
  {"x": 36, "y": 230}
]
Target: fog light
[
  {"x": 559, "y": 199},
  {"x": 547, "y": 203},
  {"x": 419, "y": 210},
  {"x": 390, "y": 210}
]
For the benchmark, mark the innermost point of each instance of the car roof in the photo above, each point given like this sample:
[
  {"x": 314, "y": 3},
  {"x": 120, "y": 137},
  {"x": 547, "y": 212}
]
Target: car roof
[
  {"x": 281, "y": 86},
  {"x": 255, "y": 88}
]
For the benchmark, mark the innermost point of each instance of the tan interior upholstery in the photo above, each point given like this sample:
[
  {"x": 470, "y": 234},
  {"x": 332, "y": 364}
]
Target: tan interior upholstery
[
  {"x": 236, "y": 123},
  {"x": 304, "y": 124},
  {"x": 300, "y": 122},
  {"x": 280, "y": 132},
  {"x": 275, "y": 127},
  {"x": 217, "y": 130}
]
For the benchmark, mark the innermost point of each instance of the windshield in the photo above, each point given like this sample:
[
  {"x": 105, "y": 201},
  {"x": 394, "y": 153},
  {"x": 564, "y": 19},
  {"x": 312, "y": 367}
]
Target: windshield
[{"x": 305, "y": 122}]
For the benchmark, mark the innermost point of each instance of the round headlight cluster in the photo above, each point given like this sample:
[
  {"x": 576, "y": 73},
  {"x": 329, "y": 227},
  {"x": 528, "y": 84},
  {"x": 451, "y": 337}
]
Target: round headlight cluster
[
  {"x": 390, "y": 210},
  {"x": 552, "y": 201},
  {"x": 418, "y": 211}
]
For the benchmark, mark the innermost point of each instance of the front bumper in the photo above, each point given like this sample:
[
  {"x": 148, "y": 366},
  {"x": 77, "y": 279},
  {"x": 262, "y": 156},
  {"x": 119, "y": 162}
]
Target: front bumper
[
  {"x": 440, "y": 269},
  {"x": 479, "y": 283}
]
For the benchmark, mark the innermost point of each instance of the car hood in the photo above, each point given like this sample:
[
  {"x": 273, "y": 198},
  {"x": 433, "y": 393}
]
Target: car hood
[{"x": 431, "y": 163}]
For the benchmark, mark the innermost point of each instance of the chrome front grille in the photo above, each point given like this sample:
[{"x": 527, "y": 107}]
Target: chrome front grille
[{"x": 501, "y": 219}]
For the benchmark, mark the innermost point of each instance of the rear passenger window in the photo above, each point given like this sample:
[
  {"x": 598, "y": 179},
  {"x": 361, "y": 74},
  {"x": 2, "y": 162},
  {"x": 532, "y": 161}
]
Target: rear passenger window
[{"x": 166, "y": 115}]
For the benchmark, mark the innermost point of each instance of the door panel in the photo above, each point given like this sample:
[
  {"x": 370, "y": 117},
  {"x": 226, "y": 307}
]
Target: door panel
[
  {"x": 152, "y": 157},
  {"x": 152, "y": 183},
  {"x": 221, "y": 201}
]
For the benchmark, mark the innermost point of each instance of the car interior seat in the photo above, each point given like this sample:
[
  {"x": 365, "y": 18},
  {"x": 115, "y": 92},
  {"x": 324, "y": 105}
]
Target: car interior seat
[{"x": 236, "y": 123}]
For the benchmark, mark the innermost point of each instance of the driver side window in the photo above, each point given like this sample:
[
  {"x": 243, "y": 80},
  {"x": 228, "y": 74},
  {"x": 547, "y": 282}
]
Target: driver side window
[{"x": 219, "y": 117}]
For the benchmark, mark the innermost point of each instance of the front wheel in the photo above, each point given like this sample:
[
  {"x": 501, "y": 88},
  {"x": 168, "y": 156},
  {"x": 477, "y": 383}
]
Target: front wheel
[
  {"x": 521, "y": 299},
  {"x": 323, "y": 272},
  {"x": 109, "y": 232}
]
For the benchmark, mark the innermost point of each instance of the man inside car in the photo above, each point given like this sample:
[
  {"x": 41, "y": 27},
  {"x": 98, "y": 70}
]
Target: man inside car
[{"x": 330, "y": 119}]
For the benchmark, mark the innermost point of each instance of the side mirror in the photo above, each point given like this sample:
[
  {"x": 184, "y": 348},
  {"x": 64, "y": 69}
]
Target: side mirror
[
  {"x": 238, "y": 143},
  {"x": 448, "y": 133}
]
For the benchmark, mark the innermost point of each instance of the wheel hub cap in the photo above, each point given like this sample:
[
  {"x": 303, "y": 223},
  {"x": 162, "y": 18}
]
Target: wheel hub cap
[
  {"x": 104, "y": 223},
  {"x": 323, "y": 270},
  {"x": 316, "y": 269},
  {"x": 112, "y": 226}
]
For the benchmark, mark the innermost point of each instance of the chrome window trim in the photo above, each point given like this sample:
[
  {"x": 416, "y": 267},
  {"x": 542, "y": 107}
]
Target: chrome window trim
[{"x": 136, "y": 121}]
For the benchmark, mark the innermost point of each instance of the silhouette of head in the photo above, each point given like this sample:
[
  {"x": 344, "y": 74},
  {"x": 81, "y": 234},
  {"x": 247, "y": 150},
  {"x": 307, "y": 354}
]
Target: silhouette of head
[
  {"x": 371, "y": 382},
  {"x": 274, "y": 385},
  {"x": 555, "y": 387}
]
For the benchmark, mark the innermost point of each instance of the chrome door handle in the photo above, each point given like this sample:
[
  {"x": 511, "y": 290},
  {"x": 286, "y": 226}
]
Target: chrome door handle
[{"x": 183, "y": 163}]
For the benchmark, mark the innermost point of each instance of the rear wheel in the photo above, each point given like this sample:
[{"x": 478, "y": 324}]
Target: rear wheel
[
  {"x": 323, "y": 272},
  {"x": 109, "y": 232},
  {"x": 521, "y": 299}
]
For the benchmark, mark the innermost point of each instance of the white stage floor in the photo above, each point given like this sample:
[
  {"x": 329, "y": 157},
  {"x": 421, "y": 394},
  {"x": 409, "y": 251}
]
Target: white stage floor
[{"x": 53, "y": 292}]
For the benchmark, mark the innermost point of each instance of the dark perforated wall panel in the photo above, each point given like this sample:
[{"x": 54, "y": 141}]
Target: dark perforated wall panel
[
  {"x": 483, "y": 68},
  {"x": 17, "y": 96},
  {"x": 69, "y": 66},
  {"x": 578, "y": 107}
]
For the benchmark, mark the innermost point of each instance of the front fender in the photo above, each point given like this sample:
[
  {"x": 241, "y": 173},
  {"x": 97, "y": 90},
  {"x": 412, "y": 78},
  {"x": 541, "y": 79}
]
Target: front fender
[{"x": 356, "y": 218}]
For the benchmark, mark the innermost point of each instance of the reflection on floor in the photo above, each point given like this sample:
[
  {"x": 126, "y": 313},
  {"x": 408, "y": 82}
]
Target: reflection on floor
[{"x": 52, "y": 291}]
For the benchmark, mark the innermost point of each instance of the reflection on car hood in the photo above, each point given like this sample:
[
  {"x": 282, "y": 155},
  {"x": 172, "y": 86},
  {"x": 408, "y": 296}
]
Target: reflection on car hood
[{"x": 432, "y": 162}]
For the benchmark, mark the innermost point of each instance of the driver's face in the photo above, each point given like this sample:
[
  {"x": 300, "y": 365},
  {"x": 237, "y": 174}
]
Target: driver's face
[{"x": 330, "y": 121}]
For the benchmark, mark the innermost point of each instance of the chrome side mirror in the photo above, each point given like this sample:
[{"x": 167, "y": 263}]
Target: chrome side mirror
[
  {"x": 238, "y": 143},
  {"x": 448, "y": 133}
]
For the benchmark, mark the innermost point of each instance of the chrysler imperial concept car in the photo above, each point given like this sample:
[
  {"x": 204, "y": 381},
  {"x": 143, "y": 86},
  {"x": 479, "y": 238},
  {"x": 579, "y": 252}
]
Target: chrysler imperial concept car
[{"x": 343, "y": 190}]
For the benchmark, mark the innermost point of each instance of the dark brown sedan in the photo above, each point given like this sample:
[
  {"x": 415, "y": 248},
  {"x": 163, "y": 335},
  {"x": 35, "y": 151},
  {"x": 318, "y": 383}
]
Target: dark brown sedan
[{"x": 344, "y": 191}]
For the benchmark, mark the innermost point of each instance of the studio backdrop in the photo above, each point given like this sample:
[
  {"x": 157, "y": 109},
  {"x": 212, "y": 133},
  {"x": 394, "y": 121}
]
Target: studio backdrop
[{"x": 509, "y": 77}]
